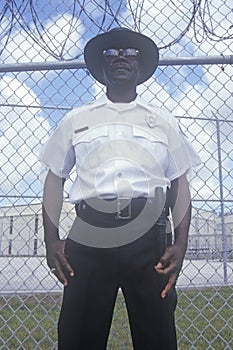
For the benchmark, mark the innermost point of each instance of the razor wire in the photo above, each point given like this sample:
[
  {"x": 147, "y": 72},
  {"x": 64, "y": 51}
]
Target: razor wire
[{"x": 199, "y": 16}]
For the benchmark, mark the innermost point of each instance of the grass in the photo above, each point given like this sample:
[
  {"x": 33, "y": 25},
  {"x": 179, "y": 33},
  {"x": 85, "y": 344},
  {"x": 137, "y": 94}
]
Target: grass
[
  {"x": 27, "y": 322},
  {"x": 203, "y": 318}
]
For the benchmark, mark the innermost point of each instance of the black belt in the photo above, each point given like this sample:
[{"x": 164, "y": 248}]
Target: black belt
[
  {"x": 120, "y": 209},
  {"x": 109, "y": 213}
]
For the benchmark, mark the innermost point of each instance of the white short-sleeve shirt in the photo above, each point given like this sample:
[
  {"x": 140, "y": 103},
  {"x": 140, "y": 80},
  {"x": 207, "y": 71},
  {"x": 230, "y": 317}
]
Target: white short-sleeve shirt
[{"x": 118, "y": 150}]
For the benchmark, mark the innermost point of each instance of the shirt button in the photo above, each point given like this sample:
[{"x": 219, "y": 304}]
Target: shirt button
[{"x": 119, "y": 174}]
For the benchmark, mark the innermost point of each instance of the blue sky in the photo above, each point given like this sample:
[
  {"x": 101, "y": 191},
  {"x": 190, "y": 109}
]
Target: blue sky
[{"x": 193, "y": 90}]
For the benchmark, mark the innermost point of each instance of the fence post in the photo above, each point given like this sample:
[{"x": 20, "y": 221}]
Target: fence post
[{"x": 223, "y": 226}]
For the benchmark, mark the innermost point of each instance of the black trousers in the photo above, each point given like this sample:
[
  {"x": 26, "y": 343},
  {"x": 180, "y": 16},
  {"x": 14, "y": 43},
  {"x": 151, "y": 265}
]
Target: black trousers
[{"x": 89, "y": 298}]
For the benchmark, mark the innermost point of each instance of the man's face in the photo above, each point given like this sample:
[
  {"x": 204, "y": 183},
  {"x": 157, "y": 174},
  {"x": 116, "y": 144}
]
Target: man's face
[{"x": 122, "y": 68}]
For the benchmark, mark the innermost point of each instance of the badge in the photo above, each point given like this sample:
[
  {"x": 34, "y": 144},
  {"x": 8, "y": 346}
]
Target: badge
[{"x": 151, "y": 121}]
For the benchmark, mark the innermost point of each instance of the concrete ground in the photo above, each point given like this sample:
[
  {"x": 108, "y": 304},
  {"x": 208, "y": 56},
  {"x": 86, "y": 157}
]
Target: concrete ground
[{"x": 31, "y": 275}]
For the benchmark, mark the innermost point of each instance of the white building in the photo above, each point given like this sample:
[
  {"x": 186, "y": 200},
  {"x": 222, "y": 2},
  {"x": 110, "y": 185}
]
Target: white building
[{"x": 21, "y": 231}]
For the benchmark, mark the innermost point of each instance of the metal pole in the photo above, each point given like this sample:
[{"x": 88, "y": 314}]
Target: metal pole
[
  {"x": 223, "y": 226},
  {"x": 74, "y": 64},
  {"x": 215, "y": 236}
]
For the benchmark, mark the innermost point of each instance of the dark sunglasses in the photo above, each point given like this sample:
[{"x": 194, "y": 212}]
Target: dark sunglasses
[{"x": 123, "y": 52}]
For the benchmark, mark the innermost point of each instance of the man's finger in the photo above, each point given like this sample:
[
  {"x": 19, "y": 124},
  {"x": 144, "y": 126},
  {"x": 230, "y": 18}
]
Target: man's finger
[
  {"x": 169, "y": 286},
  {"x": 168, "y": 254},
  {"x": 65, "y": 264},
  {"x": 165, "y": 259},
  {"x": 165, "y": 269},
  {"x": 166, "y": 290},
  {"x": 57, "y": 271}
]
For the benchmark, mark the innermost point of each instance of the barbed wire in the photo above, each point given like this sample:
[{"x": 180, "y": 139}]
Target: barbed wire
[{"x": 26, "y": 14}]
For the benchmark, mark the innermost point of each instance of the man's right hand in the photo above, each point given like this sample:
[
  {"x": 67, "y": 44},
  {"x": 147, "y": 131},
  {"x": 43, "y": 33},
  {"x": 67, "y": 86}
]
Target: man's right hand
[
  {"x": 51, "y": 210},
  {"x": 57, "y": 260}
]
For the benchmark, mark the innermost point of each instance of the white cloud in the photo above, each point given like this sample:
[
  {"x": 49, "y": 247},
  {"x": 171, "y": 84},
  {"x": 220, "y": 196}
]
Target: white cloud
[
  {"x": 163, "y": 23},
  {"x": 60, "y": 36},
  {"x": 21, "y": 127},
  {"x": 154, "y": 93},
  {"x": 23, "y": 131}
]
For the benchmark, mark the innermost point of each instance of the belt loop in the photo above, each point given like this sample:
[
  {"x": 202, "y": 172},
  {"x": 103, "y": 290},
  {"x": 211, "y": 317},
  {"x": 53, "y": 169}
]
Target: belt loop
[{"x": 121, "y": 207}]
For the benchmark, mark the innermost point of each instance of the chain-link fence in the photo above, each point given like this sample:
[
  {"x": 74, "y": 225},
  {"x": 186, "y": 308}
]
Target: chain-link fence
[{"x": 42, "y": 76}]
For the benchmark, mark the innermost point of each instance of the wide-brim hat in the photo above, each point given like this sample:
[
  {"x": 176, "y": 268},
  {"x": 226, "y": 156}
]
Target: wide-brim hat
[{"x": 121, "y": 38}]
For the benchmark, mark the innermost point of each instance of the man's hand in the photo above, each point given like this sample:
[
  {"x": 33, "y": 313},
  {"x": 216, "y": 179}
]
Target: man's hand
[
  {"x": 170, "y": 265},
  {"x": 51, "y": 210},
  {"x": 57, "y": 261}
]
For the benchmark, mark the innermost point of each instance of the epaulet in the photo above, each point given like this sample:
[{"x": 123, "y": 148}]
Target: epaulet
[{"x": 80, "y": 109}]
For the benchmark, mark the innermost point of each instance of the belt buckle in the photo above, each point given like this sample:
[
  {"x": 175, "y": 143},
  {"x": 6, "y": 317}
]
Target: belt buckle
[{"x": 123, "y": 208}]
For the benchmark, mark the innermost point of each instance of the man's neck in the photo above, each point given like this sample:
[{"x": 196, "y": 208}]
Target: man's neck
[{"x": 121, "y": 96}]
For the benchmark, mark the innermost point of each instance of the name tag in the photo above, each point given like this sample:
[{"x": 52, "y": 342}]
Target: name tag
[{"x": 77, "y": 131}]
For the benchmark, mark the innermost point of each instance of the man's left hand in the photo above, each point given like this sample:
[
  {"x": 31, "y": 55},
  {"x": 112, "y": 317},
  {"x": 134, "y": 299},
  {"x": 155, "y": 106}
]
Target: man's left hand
[{"x": 170, "y": 265}]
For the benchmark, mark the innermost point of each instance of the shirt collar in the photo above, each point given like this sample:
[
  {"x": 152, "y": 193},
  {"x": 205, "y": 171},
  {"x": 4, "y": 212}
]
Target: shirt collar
[{"x": 139, "y": 101}]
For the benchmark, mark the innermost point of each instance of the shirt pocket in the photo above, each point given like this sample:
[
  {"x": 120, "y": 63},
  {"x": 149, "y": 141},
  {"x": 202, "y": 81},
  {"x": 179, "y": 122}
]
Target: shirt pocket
[
  {"x": 151, "y": 135},
  {"x": 91, "y": 146},
  {"x": 152, "y": 148}
]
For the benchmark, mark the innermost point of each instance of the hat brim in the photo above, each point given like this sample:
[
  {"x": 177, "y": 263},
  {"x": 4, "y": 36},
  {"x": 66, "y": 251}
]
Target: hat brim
[{"x": 121, "y": 38}]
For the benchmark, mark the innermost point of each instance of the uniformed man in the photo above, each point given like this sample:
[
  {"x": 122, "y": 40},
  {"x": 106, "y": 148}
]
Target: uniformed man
[{"x": 131, "y": 163}]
